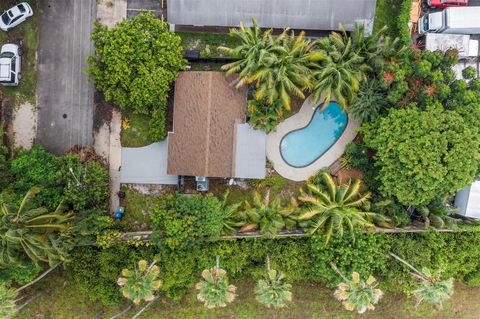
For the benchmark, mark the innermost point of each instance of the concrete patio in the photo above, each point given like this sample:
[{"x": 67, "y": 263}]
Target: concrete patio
[{"x": 299, "y": 120}]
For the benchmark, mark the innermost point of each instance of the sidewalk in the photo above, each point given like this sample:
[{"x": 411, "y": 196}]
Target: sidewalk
[{"x": 107, "y": 139}]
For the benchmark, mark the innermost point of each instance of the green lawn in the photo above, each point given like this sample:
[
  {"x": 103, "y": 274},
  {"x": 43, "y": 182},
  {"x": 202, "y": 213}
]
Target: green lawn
[
  {"x": 25, "y": 33},
  {"x": 137, "y": 134},
  {"x": 386, "y": 14},
  {"x": 60, "y": 299},
  {"x": 206, "y": 43}
]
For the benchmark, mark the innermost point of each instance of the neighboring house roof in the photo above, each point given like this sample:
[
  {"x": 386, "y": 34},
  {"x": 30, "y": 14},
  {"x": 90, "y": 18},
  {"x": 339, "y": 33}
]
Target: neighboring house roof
[
  {"x": 203, "y": 142},
  {"x": 468, "y": 200},
  {"x": 296, "y": 14}
]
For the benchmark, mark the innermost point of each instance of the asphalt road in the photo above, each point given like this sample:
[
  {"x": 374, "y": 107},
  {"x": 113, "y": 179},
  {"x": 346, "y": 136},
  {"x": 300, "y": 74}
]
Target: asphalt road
[{"x": 65, "y": 97}]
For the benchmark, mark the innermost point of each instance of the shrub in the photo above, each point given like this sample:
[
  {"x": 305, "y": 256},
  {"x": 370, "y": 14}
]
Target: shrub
[
  {"x": 93, "y": 191},
  {"x": 469, "y": 73},
  {"x": 184, "y": 222},
  {"x": 473, "y": 278},
  {"x": 422, "y": 155},
  {"x": 19, "y": 275},
  {"x": 266, "y": 116},
  {"x": 370, "y": 103},
  {"x": 135, "y": 64},
  {"x": 402, "y": 22}
]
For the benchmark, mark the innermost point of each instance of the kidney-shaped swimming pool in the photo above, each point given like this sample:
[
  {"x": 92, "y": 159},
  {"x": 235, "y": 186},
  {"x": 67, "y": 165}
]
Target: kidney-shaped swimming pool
[{"x": 303, "y": 146}]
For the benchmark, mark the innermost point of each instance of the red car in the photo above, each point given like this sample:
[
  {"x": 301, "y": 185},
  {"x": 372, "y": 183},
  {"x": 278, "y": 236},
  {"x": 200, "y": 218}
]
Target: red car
[{"x": 447, "y": 3}]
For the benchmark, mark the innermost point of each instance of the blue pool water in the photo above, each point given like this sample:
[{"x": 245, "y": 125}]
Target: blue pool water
[{"x": 304, "y": 146}]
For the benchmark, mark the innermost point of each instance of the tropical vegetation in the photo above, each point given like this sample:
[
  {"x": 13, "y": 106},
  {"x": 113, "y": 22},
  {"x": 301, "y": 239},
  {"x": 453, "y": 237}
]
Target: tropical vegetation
[
  {"x": 141, "y": 283},
  {"x": 135, "y": 64},
  {"x": 214, "y": 290},
  {"x": 273, "y": 290}
]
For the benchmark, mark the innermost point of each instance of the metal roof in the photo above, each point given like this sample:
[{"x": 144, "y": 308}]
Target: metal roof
[
  {"x": 468, "y": 200},
  {"x": 296, "y": 14}
]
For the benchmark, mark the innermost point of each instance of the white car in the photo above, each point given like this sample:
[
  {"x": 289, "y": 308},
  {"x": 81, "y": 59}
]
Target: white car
[
  {"x": 15, "y": 15},
  {"x": 10, "y": 65}
]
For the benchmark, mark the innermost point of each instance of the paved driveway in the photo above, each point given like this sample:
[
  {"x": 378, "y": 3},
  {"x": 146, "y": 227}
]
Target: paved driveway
[{"x": 65, "y": 97}]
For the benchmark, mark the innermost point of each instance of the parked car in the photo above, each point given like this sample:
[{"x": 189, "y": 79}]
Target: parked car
[
  {"x": 447, "y": 3},
  {"x": 15, "y": 15},
  {"x": 10, "y": 65},
  {"x": 455, "y": 20}
]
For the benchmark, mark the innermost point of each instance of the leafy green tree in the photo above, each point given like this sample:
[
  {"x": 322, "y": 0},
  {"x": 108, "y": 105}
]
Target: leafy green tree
[
  {"x": 422, "y": 155},
  {"x": 335, "y": 208},
  {"x": 273, "y": 291},
  {"x": 357, "y": 294},
  {"x": 34, "y": 232},
  {"x": 141, "y": 283},
  {"x": 214, "y": 290},
  {"x": 136, "y": 62},
  {"x": 268, "y": 215}
]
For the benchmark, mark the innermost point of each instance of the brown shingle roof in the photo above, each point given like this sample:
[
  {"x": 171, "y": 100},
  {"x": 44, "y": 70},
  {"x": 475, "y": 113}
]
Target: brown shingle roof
[{"x": 206, "y": 108}]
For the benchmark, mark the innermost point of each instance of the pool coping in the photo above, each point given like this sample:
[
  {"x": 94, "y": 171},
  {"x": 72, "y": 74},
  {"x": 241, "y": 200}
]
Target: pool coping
[{"x": 298, "y": 121}]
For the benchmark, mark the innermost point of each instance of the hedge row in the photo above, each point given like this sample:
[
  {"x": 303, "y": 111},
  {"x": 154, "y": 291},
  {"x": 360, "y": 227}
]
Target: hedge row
[{"x": 302, "y": 259}]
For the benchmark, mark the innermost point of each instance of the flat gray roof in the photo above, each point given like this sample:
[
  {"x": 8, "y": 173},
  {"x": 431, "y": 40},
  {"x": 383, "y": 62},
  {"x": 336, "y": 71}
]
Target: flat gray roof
[
  {"x": 296, "y": 14},
  {"x": 146, "y": 165},
  {"x": 250, "y": 158}
]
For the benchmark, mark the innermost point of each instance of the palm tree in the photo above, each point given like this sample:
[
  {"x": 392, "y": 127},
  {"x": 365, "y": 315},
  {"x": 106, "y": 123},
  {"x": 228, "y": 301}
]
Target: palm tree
[
  {"x": 141, "y": 283},
  {"x": 336, "y": 207},
  {"x": 287, "y": 72},
  {"x": 431, "y": 288},
  {"x": 356, "y": 294},
  {"x": 268, "y": 215},
  {"x": 344, "y": 68},
  {"x": 273, "y": 291},
  {"x": 34, "y": 232},
  {"x": 254, "y": 50},
  {"x": 214, "y": 289},
  {"x": 370, "y": 102}
]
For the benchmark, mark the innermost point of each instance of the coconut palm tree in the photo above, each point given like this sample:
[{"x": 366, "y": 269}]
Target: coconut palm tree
[
  {"x": 268, "y": 215},
  {"x": 287, "y": 72},
  {"x": 431, "y": 288},
  {"x": 356, "y": 294},
  {"x": 273, "y": 291},
  {"x": 141, "y": 283},
  {"x": 254, "y": 50},
  {"x": 213, "y": 289},
  {"x": 34, "y": 232},
  {"x": 335, "y": 208}
]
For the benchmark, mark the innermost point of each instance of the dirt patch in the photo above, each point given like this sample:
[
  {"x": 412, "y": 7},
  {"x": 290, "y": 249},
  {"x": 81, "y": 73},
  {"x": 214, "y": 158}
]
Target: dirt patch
[
  {"x": 24, "y": 125},
  {"x": 103, "y": 111}
]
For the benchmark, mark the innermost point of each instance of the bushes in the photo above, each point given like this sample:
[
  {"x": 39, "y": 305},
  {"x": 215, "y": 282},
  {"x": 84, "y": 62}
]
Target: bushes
[
  {"x": 135, "y": 64},
  {"x": 183, "y": 222},
  {"x": 457, "y": 254},
  {"x": 402, "y": 22}
]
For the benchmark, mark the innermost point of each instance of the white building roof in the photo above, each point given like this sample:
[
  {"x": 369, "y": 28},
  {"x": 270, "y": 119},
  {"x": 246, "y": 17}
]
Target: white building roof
[{"x": 468, "y": 201}]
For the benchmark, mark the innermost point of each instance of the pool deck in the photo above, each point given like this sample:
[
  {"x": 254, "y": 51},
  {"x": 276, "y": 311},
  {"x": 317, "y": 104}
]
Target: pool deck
[{"x": 299, "y": 120}]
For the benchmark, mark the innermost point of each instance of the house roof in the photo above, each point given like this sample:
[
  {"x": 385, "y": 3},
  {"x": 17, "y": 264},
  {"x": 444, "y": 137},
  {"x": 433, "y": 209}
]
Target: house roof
[
  {"x": 297, "y": 14},
  {"x": 468, "y": 200},
  {"x": 207, "y": 106}
]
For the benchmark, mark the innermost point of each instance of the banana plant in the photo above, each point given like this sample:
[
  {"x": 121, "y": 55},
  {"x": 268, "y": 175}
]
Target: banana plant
[
  {"x": 213, "y": 289},
  {"x": 231, "y": 219},
  {"x": 273, "y": 291},
  {"x": 356, "y": 294},
  {"x": 268, "y": 215}
]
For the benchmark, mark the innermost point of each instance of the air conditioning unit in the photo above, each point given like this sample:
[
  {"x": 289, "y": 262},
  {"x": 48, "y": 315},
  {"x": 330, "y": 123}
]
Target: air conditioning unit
[{"x": 202, "y": 183}]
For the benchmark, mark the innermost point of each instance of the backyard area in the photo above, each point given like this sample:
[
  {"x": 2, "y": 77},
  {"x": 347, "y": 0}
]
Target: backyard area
[{"x": 60, "y": 298}]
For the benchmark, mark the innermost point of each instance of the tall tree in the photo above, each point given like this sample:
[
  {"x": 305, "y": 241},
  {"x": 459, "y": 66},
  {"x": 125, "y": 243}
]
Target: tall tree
[
  {"x": 335, "y": 208},
  {"x": 34, "y": 232}
]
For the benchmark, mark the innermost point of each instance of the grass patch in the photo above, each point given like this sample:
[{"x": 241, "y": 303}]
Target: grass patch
[
  {"x": 26, "y": 35},
  {"x": 200, "y": 66},
  {"x": 206, "y": 43},
  {"x": 137, "y": 210},
  {"x": 61, "y": 298},
  {"x": 137, "y": 132},
  {"x": 386, "y": 14}
]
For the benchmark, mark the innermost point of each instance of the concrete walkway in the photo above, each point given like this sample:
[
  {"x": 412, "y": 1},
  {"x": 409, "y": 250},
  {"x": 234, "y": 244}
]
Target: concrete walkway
[
  {"x": 299, "y": 120},
  {"x": 107, "y": 139}
]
